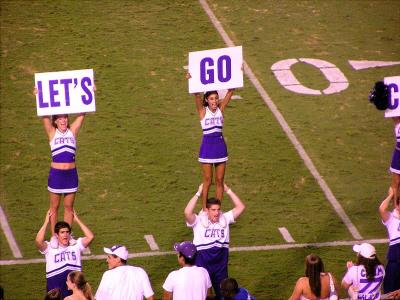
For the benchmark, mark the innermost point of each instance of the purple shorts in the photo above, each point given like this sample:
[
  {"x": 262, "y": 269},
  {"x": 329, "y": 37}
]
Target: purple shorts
[
  {"x": 395, "y": 165},
  {"x": 62, "y": 181},
  {"x": 213, "y": 150}
]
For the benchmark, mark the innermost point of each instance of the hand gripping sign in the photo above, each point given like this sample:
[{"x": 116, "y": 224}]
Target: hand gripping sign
[
  {"x": 393, "y": 84},
  {"x": 216, "y": 69},
  {"x": 65, "y": 92}
]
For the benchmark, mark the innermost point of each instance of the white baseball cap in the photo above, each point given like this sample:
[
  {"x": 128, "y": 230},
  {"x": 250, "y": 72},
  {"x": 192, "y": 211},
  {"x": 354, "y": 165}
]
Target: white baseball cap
[
  {"x": 118, "y": 250},
  {"x": 366, "y": 250}
]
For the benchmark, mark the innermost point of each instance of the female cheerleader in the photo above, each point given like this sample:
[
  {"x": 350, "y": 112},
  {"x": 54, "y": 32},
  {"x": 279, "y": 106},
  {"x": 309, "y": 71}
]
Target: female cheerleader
[
  {"x": 63, "y": 176},
  {"x": 213, "y": 150}
]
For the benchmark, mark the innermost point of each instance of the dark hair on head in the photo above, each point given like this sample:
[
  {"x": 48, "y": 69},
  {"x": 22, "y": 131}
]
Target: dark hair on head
[
  {"x": 54, "y": 118},
  {"x": 54, "y": 294},
  {"x": 78, "y": 278},
  {"x": 61, "y": 224},
  {"x": 379, "y": 95},
  {"x": 212, "y": 201},
  {"x": 206, "y": 95},
  {"x": 370, "y": 265},
  {"x": 314, "y": 268},
  {"x": 188, "y": 260},
  {"x": 229, "y": 288}
]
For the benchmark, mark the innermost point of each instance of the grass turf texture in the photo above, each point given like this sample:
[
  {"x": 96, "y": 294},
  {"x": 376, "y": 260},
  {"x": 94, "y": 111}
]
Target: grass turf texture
[{"x": 137, "y": 155}]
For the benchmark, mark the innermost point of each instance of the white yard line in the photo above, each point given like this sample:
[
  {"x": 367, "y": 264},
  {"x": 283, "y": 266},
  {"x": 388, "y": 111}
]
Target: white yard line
[
  {"x": 9, "y": 235},
  {"x": 151, "y": 242},
  {"x": 232, "y": 249},
  {"x": 286, "y": 128},
  {"x": 286, "y": 234}
]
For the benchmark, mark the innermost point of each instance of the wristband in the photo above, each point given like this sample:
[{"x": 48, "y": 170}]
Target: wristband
[
  {"x": 229, "y": 191},
  {"x": 198, "y": 194}
]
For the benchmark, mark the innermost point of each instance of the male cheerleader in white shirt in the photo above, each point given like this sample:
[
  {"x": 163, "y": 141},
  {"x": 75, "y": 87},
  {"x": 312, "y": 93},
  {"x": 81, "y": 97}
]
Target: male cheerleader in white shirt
[
  {"x": 212, "y": 239},
  {"x": 121, "y": 281},
  {"x": 190, "y": 282},
  {"x": 65, "y": 258}
]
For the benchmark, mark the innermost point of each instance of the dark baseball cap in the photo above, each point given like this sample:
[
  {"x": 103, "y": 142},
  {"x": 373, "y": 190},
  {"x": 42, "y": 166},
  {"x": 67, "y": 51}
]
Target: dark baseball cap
[{"x": 187, "y": 248}]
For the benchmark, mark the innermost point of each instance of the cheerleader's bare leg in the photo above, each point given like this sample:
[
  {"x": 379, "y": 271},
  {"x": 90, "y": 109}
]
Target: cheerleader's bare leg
[
  {"x": 219, "y": 180},
  {"x": 54, "y": 204},
  {"x": 69, "y": 208},
  {"x": 207, "y": 178}
]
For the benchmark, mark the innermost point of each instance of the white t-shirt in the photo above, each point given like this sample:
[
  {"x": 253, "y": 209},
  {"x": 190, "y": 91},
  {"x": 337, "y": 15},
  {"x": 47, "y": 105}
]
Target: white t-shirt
[
  {"x": 357, "y": 276},
  {"x": 188, "y": 283},
  {"x": 124, "y": 283},
  {"x": 393, "y": 228},
  {"x": 212, "y": 236}
]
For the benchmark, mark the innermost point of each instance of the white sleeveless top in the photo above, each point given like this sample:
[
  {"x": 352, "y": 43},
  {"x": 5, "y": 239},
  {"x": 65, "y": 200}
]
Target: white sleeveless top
[
  {"x": 212, "y": 123},
  {"x": 63, "y": 147}
]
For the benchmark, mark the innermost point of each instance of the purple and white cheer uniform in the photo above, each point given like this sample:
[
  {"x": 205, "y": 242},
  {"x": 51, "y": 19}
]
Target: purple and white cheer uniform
[
  {"x": 212, "y": 244},
  {"x": 60, "y": 262},
  {"x": 63, "y": 149},
  {"x": 213, "y": 148},
  {"x": 395, "y": 165}
]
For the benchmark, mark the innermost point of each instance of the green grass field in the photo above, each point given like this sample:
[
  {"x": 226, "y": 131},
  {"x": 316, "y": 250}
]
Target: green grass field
[{"x": 137, "y": 155}]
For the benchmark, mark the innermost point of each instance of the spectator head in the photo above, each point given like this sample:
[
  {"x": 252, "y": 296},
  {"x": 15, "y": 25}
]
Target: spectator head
[
  {"x": 116, "y": 255},
  {"x": 229, "y": 288},
  {"x": 314, "y": 267},
  {"x": 187, "y": 250}
]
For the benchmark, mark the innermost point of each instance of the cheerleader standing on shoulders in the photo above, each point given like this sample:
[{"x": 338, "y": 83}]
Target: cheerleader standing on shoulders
[
  {"x": 63, "y": 176},
  {"x": 213, "y": 151}
]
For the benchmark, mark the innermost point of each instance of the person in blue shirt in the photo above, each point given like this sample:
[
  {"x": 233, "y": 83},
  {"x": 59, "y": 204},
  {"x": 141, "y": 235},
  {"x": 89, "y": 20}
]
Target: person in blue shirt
[{"x": 230, "y": 290}]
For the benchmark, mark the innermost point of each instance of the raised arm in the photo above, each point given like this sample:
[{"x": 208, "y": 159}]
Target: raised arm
[
  {"x": 48, "y": 127},
  {"x": 76, "y": 125},
  {"x": 226, "y": 100},
  {"x": 384, "y": 207},
  {"x": 199, "y": 105},
  {"x": 39, "y": 241},
  {"x": 239, "y": 207},
  {"x": 89, "y": 236},
  {"x": 198, "y": 101},
  {"x": 190, "y": 216}
]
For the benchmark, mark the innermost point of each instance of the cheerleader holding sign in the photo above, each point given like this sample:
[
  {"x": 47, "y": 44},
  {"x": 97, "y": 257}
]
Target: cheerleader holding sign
[
  {"x": 59, "y": 94},
  {"x": 213, "y": 150},
  {"x": 209, "y": 71}
]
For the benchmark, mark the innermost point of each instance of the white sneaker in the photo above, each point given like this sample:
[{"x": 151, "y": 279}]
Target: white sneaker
[
  {"x": 72, "y": 240},
  {"x": 204, "y": 218},
  {"x": 222, "y": 220},
  {"x": 54, "y": 242}
]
